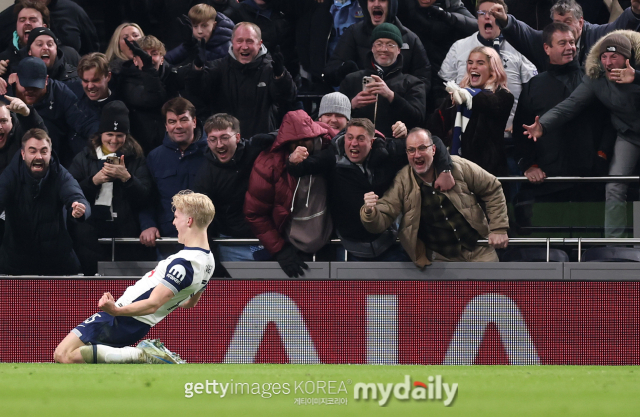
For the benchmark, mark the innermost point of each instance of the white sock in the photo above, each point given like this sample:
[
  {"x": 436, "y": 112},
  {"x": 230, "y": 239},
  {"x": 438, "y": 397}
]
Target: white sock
[{"x": 107, "y": 354}]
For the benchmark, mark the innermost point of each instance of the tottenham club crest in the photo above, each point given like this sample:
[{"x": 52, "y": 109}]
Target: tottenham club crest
[{"x": 115, "y": 126}]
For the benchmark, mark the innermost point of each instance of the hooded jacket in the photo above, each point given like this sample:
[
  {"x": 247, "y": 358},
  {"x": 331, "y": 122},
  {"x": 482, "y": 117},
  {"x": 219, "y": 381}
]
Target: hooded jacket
[
  {"x": 35, "y": 225},
  {"x": 268, "y": 202},
  {"x": 248, "y": 91},
  {"x": 172, "y": 171},
  {"x": 355, "y": 45},
  {"x": 528, "y": 41},
  {"x": 216, "y": 47},
  {"x": 408, "y": 103},
  {"x": 622, "y": 100}
]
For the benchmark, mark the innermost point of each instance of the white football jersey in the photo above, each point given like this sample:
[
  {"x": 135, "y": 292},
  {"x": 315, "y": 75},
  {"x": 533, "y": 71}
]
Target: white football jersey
[{"x": 185, "y": 273}]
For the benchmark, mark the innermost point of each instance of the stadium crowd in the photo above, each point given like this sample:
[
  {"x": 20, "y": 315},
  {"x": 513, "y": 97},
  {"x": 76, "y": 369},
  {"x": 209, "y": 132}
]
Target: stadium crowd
[{"x": 420, "y": 104}]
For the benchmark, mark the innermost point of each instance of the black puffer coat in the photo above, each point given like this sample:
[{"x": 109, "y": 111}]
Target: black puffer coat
[{"x": 35, "y": 227}]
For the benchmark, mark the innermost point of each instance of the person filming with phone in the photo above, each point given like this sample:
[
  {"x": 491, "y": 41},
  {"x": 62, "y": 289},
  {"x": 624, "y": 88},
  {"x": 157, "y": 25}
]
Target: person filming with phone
[
  {"x": 114, "y": 177},
  {"x": 382, "y": 93}
]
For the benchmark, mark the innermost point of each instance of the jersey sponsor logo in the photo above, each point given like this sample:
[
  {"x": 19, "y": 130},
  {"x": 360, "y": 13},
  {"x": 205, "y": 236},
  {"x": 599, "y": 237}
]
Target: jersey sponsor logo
[{"x": 177, "y": 274}]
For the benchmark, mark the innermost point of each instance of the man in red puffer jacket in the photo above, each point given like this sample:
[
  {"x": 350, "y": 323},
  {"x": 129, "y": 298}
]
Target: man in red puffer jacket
[{"x": 289, "y": 214}]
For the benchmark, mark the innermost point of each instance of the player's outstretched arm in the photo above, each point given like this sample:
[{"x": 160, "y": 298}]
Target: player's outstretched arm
[{"x": 158, "y": 297}]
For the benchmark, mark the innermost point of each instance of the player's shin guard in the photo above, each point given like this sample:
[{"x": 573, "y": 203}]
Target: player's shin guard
[{"x": 107, "y": 354}]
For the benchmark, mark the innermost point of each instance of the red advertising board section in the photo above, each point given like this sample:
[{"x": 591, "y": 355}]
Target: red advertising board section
[{"x": 405, "y": 322}]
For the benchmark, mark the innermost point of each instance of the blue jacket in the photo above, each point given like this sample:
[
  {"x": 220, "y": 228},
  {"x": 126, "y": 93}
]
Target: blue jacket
[
  {"x": 35, "y": 223},
  {"x": 172, "y": 171},
  {"x": 217, "y": 47}
]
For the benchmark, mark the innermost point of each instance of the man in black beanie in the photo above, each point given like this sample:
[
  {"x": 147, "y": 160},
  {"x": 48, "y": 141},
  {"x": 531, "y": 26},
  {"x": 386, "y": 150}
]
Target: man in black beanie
[
  {"x": 43, "y": 44},
  {"x": 391, "y": 95}
]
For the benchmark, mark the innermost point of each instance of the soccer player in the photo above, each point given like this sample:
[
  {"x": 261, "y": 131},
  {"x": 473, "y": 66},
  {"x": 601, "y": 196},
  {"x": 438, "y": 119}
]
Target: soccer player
[{"x": 177, "y": 281}]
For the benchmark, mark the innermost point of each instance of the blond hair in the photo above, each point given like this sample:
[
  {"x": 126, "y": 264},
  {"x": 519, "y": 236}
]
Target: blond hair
[
  {"x": 201, "y": 13},
  {"x": 113, "y": 51},
  {"x": 151, "y": 43},
  {"x": 498, "y": 77},
  {"x": 95, "y": 60},
  {"x": 197, "y": 206}
]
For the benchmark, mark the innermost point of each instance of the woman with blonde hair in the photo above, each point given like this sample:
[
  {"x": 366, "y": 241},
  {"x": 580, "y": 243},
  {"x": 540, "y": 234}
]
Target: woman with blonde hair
[
  {"x": 473, "y": 123},
  {"x": 117, "y": 51}
]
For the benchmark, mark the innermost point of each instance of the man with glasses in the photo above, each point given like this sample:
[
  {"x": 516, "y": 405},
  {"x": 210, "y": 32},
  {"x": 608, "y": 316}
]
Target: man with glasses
[
  {"x": 361, "y": 162},
  {"x": 448, "y": 223},
  {"x": 389, "y": 95},
  {"x": 224, "y": 177}
]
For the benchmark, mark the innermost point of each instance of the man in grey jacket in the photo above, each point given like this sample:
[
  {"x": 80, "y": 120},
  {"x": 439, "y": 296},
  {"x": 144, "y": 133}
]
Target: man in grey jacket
[{"x": 611, "y": 79}]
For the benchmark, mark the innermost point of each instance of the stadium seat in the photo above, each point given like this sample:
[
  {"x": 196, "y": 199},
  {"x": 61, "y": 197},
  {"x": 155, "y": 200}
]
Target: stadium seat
[
  {"x": 611, "y": 254},
  {"x": 534, "y": 255}
]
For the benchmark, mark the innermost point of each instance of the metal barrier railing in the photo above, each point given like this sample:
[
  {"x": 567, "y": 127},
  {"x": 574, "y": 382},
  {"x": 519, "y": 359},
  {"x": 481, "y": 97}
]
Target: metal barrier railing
[
  {"x": 612, "y": 178},
  {"x": 512, "y": 242}
]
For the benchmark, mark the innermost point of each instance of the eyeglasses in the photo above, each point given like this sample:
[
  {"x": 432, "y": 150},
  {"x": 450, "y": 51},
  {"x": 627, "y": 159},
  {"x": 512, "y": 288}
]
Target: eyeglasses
[
  {"x": 421, "y": 149},
  {"x": 223, "y": 139},
  {"x": 483, "y": 13},
  {"x": 391, "y": 46}
]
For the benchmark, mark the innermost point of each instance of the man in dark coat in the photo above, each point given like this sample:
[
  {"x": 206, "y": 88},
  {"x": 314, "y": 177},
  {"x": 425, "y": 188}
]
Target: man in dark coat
[
  {"x": 351, "y": 53},
  {"x": 224, "y": 177},
  {"x": 34, "y": 189},
  {"x": 581, "y": 147},
  {"x": 173, "y": 166},
  {"x": 248, "y": 83},
  {"x": 529, "y": 42},
  {"x": 392, "y": 95},
  {"x": 611, "y": 80}
]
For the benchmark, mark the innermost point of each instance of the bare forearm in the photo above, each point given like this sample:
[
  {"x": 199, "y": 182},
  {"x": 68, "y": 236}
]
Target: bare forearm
[{"x": 139, "y": 308}]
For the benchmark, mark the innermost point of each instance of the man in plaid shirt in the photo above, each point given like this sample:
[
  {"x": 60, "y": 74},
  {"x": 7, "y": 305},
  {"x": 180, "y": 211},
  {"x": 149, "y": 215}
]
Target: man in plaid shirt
[{"x": 448, "y": 223}]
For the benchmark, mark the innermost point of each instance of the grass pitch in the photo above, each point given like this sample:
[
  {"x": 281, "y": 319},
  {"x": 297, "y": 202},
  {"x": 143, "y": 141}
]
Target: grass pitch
[{"x": 159, "y": 390}]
